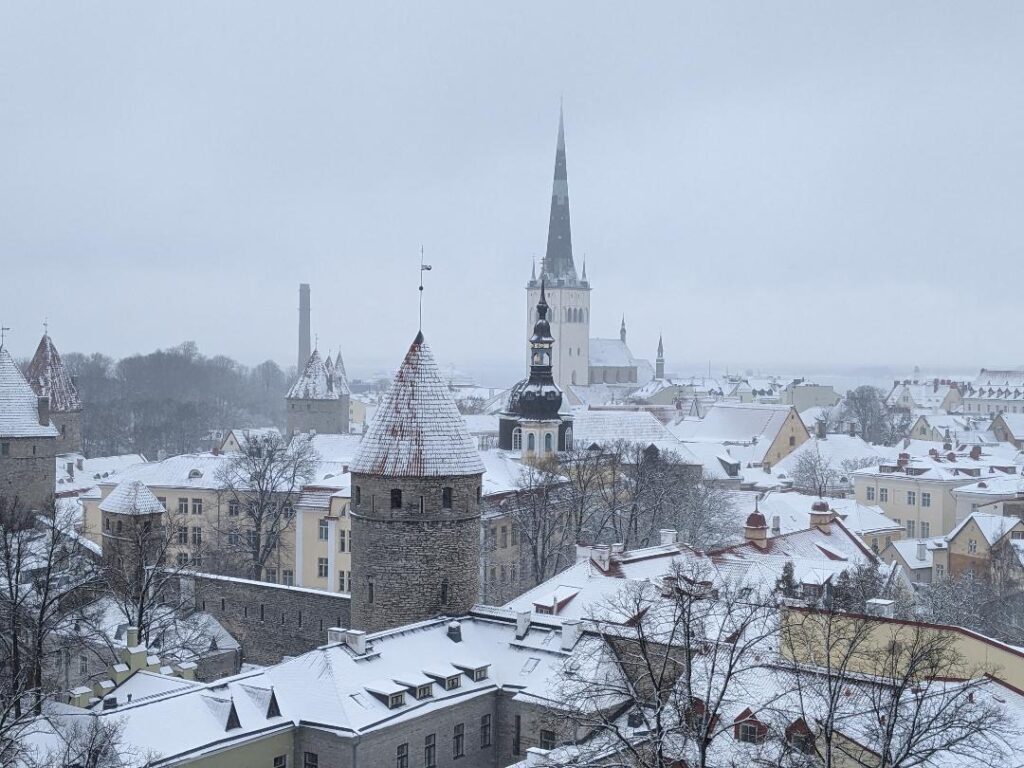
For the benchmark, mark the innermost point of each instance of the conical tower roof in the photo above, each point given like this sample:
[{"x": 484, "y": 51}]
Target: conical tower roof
[
  {"x": 132, "y": 497},
  {"x": 418, "y": 431},
  {"x": 49, "y": 378},
  {"x": 316, "y": 382},
  {"x": 558, "y": 264},
  {"x": 19, "y": 405},
  {"x": 340, "y": 377}
]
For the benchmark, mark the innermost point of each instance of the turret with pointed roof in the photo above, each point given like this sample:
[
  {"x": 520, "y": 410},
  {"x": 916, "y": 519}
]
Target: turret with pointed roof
[
  {"x": 416, "y": 482},
  {"x": 28, "y": 438},
  {"x": 659, "y": 362},
  {"x": 49, "y": 378},
  {"x": 318, "y": 401}
]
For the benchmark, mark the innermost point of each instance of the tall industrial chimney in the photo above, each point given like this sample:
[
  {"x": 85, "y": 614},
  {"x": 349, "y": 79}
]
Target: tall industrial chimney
[{"x": 304, "y": 350}]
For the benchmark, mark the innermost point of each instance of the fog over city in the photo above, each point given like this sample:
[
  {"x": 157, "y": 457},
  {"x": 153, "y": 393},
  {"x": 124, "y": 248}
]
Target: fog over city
[{"x": 800, "y": 188}]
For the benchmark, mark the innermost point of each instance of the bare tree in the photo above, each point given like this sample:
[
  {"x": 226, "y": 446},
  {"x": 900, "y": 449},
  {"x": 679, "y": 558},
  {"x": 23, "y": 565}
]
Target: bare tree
[
  {"x": 262, "y": 484},
  {"x": 704, "y": 514},
  {"x": 542, "y": 522}
]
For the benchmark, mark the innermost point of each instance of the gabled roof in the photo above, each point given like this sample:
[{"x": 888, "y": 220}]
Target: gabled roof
[
  {"x": 19, "y": 405},
  {"x": 739, "y": 423},
  {"x": 993, "y": 527},
  {"x": 132, "y": 497},
  {"x": 49, "y": 378},
  {"x": 417, "y": 430},
  {"x": 317, "y": 382},
  {"x": 1014, "y": 423},
  {"x": 610, "y": 353}
]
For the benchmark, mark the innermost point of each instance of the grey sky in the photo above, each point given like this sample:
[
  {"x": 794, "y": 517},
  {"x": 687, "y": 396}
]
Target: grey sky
[{"x": 765, "y": 182}]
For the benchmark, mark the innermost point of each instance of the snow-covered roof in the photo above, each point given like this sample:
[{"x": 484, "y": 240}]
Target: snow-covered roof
[
  {"x": 481, "y": 423},
  {"x": 19, "y": 405},
  {"x": 1015, "y": 424},
  {"x": 740, "y": 423},
  {"x": 793, "y": 511},
  {"x": 502, "y": 473},
  {"x": 610, "y": 353},
  {"x": 85, "y": 474},
  {"x": 132, "y": 497},
  {"x": 1001, "y": 486},
  {"x": 992, "y": 527},
  {"x": 417, "y": 430},
  {"x": 317, "y": 382},
  {"x": 49, "y": 378},
  {"x": 917, "y": 553},
  {"x": 243, "y": 436},
  {"x": 334, "y": 447},
  {"x": 188, "y": 470},
  {"x": 607, "y": 426}
]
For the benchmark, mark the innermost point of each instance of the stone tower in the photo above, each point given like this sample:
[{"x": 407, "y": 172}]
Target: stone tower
[
  {"x": 532, "y": 423},
  {"x": 304, "y": 345},
  {"x": 568, "y": 296},
  {"x": 131, "y": 524},
  {"x": 28, "y": 439},
  {"x": 49, "y": 378},
  {"x": 318, "y": 400},
  {"x": 415, "y": 504}
]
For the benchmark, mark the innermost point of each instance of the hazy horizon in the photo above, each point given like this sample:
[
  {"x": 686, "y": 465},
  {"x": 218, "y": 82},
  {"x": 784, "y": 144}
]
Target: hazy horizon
[{"x": 764, "y": 185}]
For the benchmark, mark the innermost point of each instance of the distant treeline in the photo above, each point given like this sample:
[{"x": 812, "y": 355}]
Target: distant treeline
[{"x": 170, "y": 399}]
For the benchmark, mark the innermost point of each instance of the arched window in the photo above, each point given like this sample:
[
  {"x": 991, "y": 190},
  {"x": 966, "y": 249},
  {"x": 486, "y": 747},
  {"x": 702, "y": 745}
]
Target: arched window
[
  {"x": 517, "y": 439},
  {"x": 568, "y": 439},
  {"x": 548, "y": 443},
  {"x": 531, "y": 443}
]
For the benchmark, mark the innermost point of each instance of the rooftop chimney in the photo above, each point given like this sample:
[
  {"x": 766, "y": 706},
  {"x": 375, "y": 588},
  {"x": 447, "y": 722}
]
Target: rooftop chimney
[
  {"x": 776, "y": 525},
  {"x": 669, "y": 536},
  {"x": 820, "y": 428},
  {"x": 570, "y": 634},
  {"x": 885, "y": 609},
  {"x": 976, "y": 452},
  {"x": 522, "y": 624},
  {"x": 756, "y": 530},
  {"x": 455, "y": 631},
  {"x": 356, "y": 640},
  {"x": 132, "y": 637},
  {"x": 821, "y": 516},
  {"x": 600, "y": 556},
  {"x": 922, "y": 550},
  {"x": 43, "y": 405}
]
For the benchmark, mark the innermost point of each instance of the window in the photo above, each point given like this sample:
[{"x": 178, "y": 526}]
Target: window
[
  {"x": 281, "y": 761},
  {"x": 342, "y": 543},
  {"x": 197, "y": 506},
  {"x": 485, "y": 731},
  {"x": 972, "y": 546},
  {"x": 926, "y": 499},
  {"x": 516, "y": 733},
  {"x": 453, "y": 682},
  {"x": 444, "y": 592},
  {"x": 323, "y": 530},
  {"x": 181, "y": 559},
  {"x": 547, "y": 739},
  {"x": 310, "y": 760},
  {"x": 233, "y": 508},
  {"x": 926, "y": 529},
  {"x": 517, "y": 439},
  {"x": 424, "y": 691},
  {"x": 197, "y": 536},
  {"x": 479, "y": 674},
  {"x": 182, "y": 506},
  {"x": 504, "y": 536},
  {"x": 5, "y": 449},
  {"x": 234, "y": 537},
  {"x": 83, "y": 664},
  {"x": 446, "y": 497},
  {"x": 792, "y": 440},
  {"x": 342, "y": 581},
  {"x": 871, "y": 493},
  {"x": 429, "y": 751},
  {"x": 1016, "y": 535},
  {"x": 288, "y": 578},
  {"x": 396, "y": 498},
  {"x": 874, "y": 544},
  {"x": 940, "y": 570},
  {"x": 396, "y": 700},
  {"x": 515, "y": 535},
  {"x": 531, "y": 443},
  {"x": 357, "y": 495},
  {"x": 748, "y": 732},
  {"x": 911, "y": 498},
  {"x": 910, "y": 529},
  {"x": 548, "y": 443},
  {"x": 183, "y": 534},
  {"x": 883, "y": 495},
  {"x": 119, "y": 526},
  {"x": 568, "y": 439},
  {"x": 459, "y": 740},
  {"x": 369, "y": 590},
  {"x": 321, "y": 567},
  {"x": 252, "y": 539},
  {"x": 402, "y": 756},
  {"x": 272, "y": 575}
]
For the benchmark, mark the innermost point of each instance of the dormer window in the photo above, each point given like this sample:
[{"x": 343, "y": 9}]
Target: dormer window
[
  {"x": 396, "y": 700},
  {"x": 479, "y": 674},
  {"x": 453, "y": 682},
  {"x": 424, "y": 691},
  {"x": 194, "y": 474}
]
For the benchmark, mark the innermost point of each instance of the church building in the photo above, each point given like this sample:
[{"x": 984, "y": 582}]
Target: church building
[{"x": 577, "y": 360}]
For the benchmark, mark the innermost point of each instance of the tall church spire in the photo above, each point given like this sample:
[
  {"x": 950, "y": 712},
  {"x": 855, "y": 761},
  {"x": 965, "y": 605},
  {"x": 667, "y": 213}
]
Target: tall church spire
[{"x": 558, "y": 264}]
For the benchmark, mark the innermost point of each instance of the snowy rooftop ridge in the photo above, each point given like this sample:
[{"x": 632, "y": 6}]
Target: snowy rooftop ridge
[
  {"x": 19, "y": 406},
  {"x": 49, "y": 378},
  {"x": 417, "y": 430},
  {"x": 318, "y": 382}
]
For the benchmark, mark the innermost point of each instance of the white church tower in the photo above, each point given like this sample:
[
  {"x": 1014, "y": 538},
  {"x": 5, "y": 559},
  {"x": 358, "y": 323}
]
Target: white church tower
[{"x": 568, "y": 296}]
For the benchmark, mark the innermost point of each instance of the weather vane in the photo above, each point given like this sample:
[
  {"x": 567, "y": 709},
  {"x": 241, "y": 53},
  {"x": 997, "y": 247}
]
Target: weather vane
[{"x": 423, "y": 268}]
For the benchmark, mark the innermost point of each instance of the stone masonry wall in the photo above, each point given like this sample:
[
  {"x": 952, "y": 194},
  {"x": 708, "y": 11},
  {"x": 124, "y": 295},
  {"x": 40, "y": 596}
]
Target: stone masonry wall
[
  {"x": 270, "y": 620},
  {"x": 414, "y": 559},
  {"x": 69, "y": 425},
  {"x": 329, "y": 417},
  {"x": 29, "y": 469}
]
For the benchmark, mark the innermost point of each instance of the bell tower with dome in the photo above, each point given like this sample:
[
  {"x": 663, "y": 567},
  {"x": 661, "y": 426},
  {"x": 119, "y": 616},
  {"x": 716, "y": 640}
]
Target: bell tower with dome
[{"x": 532, "y": 423}]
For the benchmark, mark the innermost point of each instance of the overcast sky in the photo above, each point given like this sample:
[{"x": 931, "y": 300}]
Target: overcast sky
[{"x": 769, "y": 184}]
